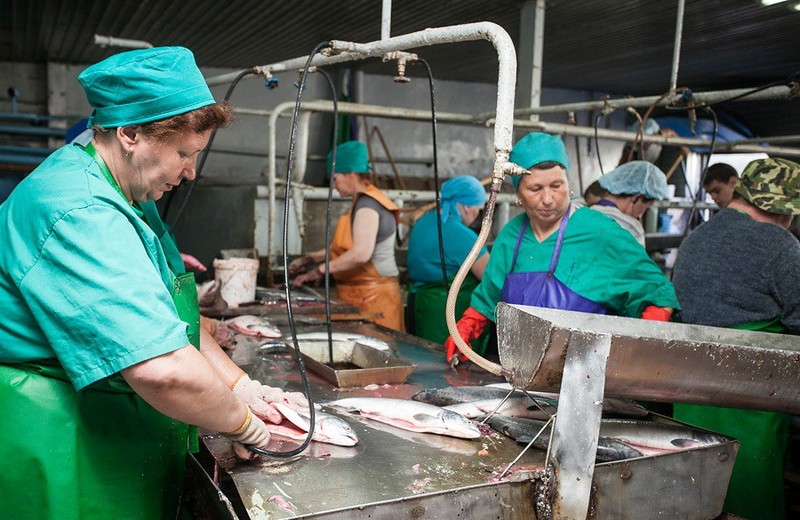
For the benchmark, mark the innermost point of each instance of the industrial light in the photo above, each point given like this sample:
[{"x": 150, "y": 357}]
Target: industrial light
[
  {"x": 772, "y": 2},
  {"x": 796, "y": 6}
]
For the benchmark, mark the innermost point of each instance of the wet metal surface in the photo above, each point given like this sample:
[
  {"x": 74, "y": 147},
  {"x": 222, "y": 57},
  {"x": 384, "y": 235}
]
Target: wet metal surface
[
  {"x": 394, "y": 474},
  {"x": 387, "y": 464}
]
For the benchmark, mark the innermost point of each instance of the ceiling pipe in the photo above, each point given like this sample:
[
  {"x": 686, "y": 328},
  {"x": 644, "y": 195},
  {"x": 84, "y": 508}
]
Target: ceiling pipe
[
  {"x": 609, "y": 105},
  {"x": 676, "y": 50},
  {"x": 110, "y": 41}
]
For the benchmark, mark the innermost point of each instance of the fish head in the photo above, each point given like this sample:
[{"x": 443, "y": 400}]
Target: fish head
[
  {"x": 336, "y": 431},
  {"x": 459, "y": 425}
]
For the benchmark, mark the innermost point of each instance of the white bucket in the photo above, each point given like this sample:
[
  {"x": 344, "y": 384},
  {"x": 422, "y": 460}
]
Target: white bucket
[{"x": 236, "y": 278}]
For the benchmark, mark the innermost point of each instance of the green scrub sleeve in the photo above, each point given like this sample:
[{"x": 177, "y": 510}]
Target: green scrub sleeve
[
  {"x": 487, "y": 294},
  {"x": 98, "y": 297}
]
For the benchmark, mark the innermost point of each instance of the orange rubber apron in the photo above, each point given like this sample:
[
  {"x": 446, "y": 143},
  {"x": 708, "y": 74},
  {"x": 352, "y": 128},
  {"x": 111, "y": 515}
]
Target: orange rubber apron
[{"x": 363, "y": 286}]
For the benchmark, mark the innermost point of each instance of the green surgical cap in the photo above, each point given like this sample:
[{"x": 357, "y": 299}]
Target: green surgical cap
[
  {"x": 142, "y": 86},
  {"x": 351, "y": 157},
  {"x": 535, "y": 148}
]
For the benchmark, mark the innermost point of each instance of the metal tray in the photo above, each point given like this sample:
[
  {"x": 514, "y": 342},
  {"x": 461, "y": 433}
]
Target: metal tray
[{"x": 365, "y": 365}]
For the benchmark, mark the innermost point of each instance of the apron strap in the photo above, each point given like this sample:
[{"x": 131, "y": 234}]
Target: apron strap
[{"x": 562, "y": 228}]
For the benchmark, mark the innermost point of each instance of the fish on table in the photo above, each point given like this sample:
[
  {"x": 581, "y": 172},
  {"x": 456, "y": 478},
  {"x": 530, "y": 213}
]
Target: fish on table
[
  {"x": 544, "y": 403},
  {"x": 327, "y": 428},
  {"x": 410, "y": 415},
  {"x": 256, "y": 326},
  {"x": 619, "y": 438}
]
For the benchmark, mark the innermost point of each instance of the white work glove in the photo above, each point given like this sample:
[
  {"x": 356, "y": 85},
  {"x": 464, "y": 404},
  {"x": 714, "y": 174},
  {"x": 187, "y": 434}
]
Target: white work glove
[
  {"x": 253, "y": 432},
  {"x": 259, "y": 398}
]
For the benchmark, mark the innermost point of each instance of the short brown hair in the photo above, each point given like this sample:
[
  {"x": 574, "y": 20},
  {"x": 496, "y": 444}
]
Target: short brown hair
[{"x": 209, "y": 117}]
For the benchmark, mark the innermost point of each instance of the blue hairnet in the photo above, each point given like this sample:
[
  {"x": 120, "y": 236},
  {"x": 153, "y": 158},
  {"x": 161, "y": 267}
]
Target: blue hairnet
[
  {"x": 465, "y": 189},
  {"x": 535, "y": 148},
  {"x": 636, "y": 177},
  {"x": 651, "y": 127},
  {"x": 351, "y": 157}
]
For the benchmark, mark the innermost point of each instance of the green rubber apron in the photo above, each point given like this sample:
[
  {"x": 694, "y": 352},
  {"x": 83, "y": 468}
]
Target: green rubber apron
[
  {"x": 430, "y": 301},
  {"x": 756, "y": 488},
  {"x": 99, "y": 453}
]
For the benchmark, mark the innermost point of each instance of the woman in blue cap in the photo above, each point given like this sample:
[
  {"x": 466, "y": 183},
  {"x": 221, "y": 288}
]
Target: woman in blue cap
[
  {"x": 362, "y": 250},
  {"x": 630, "y": 190},
  {"x": 559, "y": 256},
  {"x": 462, "y": 198},
  {"x": 100, "y": 371}
]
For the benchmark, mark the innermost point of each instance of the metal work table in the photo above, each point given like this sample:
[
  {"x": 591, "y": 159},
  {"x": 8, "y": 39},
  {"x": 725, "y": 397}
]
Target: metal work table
[
  {"x": 388, "y": 464},
  {"x": 392, "y": 473}
]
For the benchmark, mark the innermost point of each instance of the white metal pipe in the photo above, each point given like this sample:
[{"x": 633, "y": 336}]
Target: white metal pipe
[
  {"x": 386, "y": 19},
  {"x": 320, "y": 193},
  {"x": 538, "y": 57},
  {"x": 771, "y": 93},
  {"x": 621, "y": 135},
  {"x": 301, "y": 147},
  {"x": 110, "y": 41},
  {"x": 272, "y": 170},
  {"x": 676, "y": 50}
]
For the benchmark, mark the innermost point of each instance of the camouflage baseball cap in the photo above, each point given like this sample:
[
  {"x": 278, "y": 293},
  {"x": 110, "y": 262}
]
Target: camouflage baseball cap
[{"x": 772, "y": 185}]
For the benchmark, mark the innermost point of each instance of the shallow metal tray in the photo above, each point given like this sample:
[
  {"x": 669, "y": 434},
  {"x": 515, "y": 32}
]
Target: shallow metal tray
[{"x": 365, "y": 365}]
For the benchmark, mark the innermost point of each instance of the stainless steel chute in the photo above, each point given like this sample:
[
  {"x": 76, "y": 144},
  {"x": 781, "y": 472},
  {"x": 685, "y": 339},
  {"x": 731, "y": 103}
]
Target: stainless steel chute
[{"x": 667, "y": 362}]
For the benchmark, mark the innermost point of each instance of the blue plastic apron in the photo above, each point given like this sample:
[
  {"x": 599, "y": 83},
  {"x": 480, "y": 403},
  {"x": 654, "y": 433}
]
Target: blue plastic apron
[{"x": 542, "y": 288}]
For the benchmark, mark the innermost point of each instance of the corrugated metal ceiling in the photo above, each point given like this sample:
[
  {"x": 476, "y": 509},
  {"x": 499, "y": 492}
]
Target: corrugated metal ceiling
[{"x": 615, "y": 46}]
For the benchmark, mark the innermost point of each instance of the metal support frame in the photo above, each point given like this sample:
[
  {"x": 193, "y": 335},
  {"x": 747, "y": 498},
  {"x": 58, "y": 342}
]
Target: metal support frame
[{"x": 577, "y": 426}]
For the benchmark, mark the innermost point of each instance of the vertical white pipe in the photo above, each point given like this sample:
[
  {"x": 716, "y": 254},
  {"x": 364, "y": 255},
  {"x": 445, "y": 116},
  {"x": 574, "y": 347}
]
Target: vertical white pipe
[
  {"x": 386, "y": 19},
  {"x": 676, "y": 51},
  {"x": 538, "y": 57}
]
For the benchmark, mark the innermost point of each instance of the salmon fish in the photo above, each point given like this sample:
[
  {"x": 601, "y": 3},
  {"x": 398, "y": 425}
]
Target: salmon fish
[
  {"x": 410, "y": 415},
  {"x": 327, "y": 428}
]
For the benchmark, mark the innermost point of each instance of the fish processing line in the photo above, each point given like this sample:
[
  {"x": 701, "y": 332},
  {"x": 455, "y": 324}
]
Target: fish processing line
[{"x": 396, "y": 474}]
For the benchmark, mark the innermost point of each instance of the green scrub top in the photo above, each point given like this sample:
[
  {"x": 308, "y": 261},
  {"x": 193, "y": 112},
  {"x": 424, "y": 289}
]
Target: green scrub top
[
  {"x": 599, "y": 261},
  {"x": 66, "y": 223},
  {"x": 100, "y": 452}
]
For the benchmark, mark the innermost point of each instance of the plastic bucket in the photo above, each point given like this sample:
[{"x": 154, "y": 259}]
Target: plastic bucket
[{"x": 236, "y": 278}]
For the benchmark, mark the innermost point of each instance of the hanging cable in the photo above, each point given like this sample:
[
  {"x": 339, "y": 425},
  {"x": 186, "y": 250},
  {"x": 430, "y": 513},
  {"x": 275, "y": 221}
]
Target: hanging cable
[
  {"x": 597, "y": 142},
  {"x": 328, "y": 323},
  {"x": 436, "y": 173},
  {"x": 201, "y": 161},
  {"x": 287, "y": 285}
]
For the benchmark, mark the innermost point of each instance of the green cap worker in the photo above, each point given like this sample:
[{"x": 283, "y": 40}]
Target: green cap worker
[
  {"x": 362, "y": 257},
  {"x": 741, "y": 270},
  {"x": 100, "y": 371},
  {"x": 559, "y": 256}
]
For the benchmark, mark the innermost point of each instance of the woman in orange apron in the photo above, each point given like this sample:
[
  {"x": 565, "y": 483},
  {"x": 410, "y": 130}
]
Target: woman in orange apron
[{"x": 362, "y": 250}]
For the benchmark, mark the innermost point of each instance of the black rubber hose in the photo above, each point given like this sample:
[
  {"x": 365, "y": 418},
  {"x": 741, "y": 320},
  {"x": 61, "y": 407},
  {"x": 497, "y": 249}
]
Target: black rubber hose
[
  {"x": 201, "y": 161},
  {"x": 436, "y": 173},
  {"x": 597, "y": 142},
  {"x": 290, "y": 314},
  {"x": 328, "y": 322}
]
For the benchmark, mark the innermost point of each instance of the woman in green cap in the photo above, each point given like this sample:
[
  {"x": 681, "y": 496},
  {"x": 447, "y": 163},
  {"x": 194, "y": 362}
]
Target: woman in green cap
[
  {"x": 559, "y": 256},
  {"x": 362, "y": 250},
  {"x": 102, "y": 360}
]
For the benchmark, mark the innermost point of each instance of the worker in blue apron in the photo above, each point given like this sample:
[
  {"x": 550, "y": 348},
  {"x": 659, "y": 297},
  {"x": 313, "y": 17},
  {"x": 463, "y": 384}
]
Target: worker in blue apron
[
  {"x": 559, "y": 256},
  {"x": 100, "y": 372}
]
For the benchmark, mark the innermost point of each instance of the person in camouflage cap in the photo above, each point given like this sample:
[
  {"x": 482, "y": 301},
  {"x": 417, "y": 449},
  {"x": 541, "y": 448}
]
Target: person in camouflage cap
[
  {"x": 772, "y": 185},
  {"x": 741, "y": 270}
]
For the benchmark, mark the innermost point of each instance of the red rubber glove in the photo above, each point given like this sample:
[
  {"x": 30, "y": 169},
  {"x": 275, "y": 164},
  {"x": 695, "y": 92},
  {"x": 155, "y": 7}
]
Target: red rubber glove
[
  {"x": 470, "y": 327},
  {"x": 653, "y": 313}
]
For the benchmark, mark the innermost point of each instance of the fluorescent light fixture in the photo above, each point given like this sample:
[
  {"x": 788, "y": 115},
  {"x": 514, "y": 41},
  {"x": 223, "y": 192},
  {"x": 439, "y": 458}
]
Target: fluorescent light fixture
[
  {"x": 772, "y": 2},
  {"x": 796, "y": 7}
]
